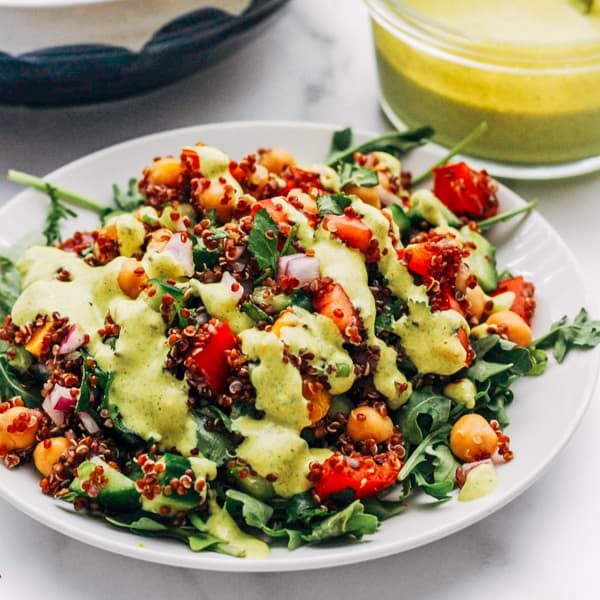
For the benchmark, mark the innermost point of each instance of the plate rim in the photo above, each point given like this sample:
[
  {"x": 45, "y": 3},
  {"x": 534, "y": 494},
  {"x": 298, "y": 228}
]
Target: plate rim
[{"x": 362, "y": 552}]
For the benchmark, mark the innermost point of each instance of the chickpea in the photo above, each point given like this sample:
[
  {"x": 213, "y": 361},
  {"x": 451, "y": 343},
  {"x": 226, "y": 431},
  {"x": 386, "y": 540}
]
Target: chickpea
[
  {"x": 318, "y": 399},
  {"x": 477, "y": 301},
  {"x": 47, "y": 453},
  {"x": 513, "y": 325},
  {"x": 473, "y": 438},
  {"x": 276, "y": 160},
  {"x": 368, "y": 195},
  {"x": 365, "y": 423},
  {"x": 164, "y": 171},
  {"x": 158, "y": 240},
  {"x": 214, "y": 194},
  {"x": 132, "y": 278},
  {"x": 18, "y": 426}
]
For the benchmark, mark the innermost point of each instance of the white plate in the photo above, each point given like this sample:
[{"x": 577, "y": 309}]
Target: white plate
[{"x": 544, "y": 414}]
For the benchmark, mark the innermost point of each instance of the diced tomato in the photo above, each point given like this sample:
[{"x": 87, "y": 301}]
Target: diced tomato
[
  {"x": 212, "y": 360},
  {"x": 446, "y": 300},
  {"x": 524, "y": 291},
  {"x": 190, "y": 158},
  {"x": 354, "y": 232},
  {"x": 276, "y": 212},
  {"x": 418, "y": 258},
  {"x": 466, "y": 192},
  {"x": 365, "y": 475},
  {"x": 333, "y": 302}
]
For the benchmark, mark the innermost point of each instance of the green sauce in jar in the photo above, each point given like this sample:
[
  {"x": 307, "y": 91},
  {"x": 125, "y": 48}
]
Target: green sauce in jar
[{"x": 530, "y": 68}]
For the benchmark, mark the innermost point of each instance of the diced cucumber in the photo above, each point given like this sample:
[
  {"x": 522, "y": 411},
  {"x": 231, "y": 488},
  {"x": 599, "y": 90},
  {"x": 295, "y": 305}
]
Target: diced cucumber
[{"x": 119, "y": 494}]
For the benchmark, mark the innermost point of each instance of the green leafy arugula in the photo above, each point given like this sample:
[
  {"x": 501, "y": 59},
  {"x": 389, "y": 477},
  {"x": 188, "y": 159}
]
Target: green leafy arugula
[
  {"x": 351, "y": 174},
  {"x": 564, "y": 336},
  {"x": 10, "y": 385},
  {"x": 125, "y": 201},
  {"x": 424, "y": 412},
  {"x": 263, "y": 242},
  {"x": 57, "y": 212},
  {"x": 333, "y": 204},
  {"x": 255, "y": 312},
  {"x": 390, "y": 313},
  {"x": 396, "y": 143}
]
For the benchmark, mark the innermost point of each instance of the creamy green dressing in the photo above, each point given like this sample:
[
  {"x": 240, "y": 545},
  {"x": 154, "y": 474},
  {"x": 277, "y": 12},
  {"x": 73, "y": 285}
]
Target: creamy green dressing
[
  {"x": 273, "y": 448},
  {"x": 222, "y": 303},
  {"x": 152, "y": 402},
  {"x": 221, "y": 525},
  {"x": 430, "y": 339},
  {"x": 481, "y": 481}
]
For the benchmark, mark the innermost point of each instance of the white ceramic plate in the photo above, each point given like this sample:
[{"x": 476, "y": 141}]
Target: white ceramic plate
[{"x": 544, "y": 414}]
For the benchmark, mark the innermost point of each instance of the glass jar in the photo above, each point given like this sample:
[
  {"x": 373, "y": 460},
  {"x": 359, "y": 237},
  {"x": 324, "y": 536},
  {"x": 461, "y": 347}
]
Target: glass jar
[{"x": 540, "y": 100}]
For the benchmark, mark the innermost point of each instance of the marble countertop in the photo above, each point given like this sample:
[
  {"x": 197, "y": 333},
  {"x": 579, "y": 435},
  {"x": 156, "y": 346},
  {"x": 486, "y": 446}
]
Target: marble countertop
[{"x": 315, "y": 63}]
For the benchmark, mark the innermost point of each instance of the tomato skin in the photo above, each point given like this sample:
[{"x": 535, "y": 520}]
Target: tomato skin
[
  {"x": 463, "y": 338},
  {"x": 275, "y": 211},
  {"x": 464, "y": 191},
  {"x": 354, "y": 232},
  {"x": 334, "y": 303},
  {"x": 212, "y": 361},
  {"x": 362, "y": 474},
  {"x": 524, "y": 291},
  {"x": 190, "y": 158},
  {"x": 418, "y": 259}
]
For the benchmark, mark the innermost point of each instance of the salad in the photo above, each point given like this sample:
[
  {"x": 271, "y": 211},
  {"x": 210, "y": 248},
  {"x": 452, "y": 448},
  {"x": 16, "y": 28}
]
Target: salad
[{"x": 257, "y": 352}]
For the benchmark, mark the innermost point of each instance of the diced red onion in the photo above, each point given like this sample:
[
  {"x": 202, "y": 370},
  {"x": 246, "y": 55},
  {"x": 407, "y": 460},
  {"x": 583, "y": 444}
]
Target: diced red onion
[
  {"x": 386, "y": 197},
  {"x": 88, "y": 422},
  {"x": 179, "y": 247},
  {"x": 235, "y": 287},
  {"x": 58, "y": 402},
  {"x": 464, "y": 470},
  {"x": 73, "y": 339},
  {"x": 300, "y": 267}
]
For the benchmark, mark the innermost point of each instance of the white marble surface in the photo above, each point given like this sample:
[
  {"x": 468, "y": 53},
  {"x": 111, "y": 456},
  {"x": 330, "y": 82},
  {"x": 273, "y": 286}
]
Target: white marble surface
[{"x": 316, "y": 63}]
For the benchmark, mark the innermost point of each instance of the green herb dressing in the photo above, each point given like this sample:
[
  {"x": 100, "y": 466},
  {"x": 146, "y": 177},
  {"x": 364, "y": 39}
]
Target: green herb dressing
[
  {"x": 221, "y": 525},
  {"x": 152, "y": 402}
]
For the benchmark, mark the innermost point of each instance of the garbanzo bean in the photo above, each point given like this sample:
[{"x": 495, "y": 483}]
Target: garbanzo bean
[
  {"x": 18, "y": 426},
  {"x": 473, "y": 438},
  {"x": 47, "y": 453},
  {"x": 214, "y": 194},
  {"x": 368, "y": 195},
  {"x": 514, "y": 326},
  {"x": 164, "y": 171},
  {"x": 276, "y": 159},
  {"x": 365, "y": 423},
  {"x": 132, "y": 277}
]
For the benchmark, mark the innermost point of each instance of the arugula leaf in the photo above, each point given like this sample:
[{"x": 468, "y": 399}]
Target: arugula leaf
[
  {"x": 294, "y": 536},
  {"x": 425, "y": 410},
  {"x": 383, "y": 509},
  {"x": 563, "y": 337},
  {"x": 288, "y": 247},
  {"x": 254, "y": 512},
  {"x": 437, "y": 476},
  {"x": 393, "y": 142},
  {"x": 214, "y": 445},
  {"x": 57, "y": 212},
  {"x": 351, "y": 521},
  {"x": 125, "y": 201},
  {"x": 9, "y": 285},
  {"x": 351, "y": 174},
  {"x": 507, "y": 216},
  {"x": 419, "y": 454},
  {"x": 333, "y": 204},
  {"x": 390, "y": 312},
  {"x": 340, "y": 141},
  {"x": 11, "y": 386},
  {"x": 263, "y": 242}
]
